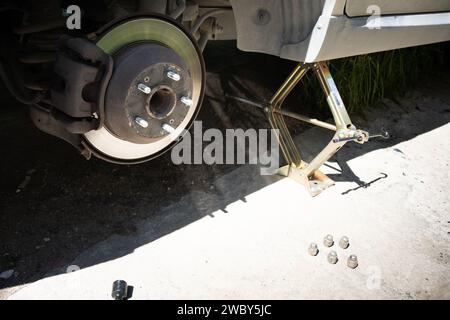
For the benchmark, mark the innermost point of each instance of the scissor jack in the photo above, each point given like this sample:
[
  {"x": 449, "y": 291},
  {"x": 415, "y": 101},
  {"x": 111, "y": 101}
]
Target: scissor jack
[{"x": 308, "y": 173}]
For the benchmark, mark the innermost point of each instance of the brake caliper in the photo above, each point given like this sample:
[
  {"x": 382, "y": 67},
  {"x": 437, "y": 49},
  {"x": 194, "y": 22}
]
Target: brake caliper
[{"x": 82, "y": 71}]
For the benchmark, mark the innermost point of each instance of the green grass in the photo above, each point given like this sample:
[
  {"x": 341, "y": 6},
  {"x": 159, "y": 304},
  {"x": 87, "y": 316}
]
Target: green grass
[{"x": 365, "y": 80}]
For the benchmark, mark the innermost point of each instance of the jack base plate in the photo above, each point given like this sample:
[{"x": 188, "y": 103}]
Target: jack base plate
[{"x": 315, "y": 184}]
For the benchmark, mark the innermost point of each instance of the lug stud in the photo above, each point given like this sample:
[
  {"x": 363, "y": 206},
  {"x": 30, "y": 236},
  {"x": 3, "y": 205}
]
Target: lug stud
[
  {"x": 144, "y": 88},
  {"x": 186, "y": 101},
  {"x": 352, "y": 261},
  {"x": 332, "y": 257},
  {"x": 168, "y": 128},
  {"x": 328, "y": 240},
  {"x": 173, "y": 75},
  {"x": 141, "y": 122},
  {"x": 313, "y": 250}
]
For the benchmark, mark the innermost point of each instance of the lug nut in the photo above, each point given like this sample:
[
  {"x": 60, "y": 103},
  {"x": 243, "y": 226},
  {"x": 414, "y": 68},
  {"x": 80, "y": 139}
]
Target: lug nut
[
  {"x": 144, "y": 88},
  {"x": 168, "y": 128},
  {"x": 313, "y": 250},
  {"x": 328, "y": 240},
  {"x": 186, "y": 101},
  {"x": 352, "y": 261},
  {"x": 332, "y": 257},
  {"x": 173, "y": 75},
  {"x": 344, "y": 242},
  {"x": 142, "y": 122}
]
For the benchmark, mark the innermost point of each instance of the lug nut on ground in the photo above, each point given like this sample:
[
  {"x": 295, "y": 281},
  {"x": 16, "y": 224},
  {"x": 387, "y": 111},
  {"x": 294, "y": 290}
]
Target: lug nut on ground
[
  {"x": 328, "y": 240},
  {"x": 352, "y": 261},
  {"x": 313, "y": 249},
  {"x": 332, "y": 257},
  {"x": 344, "y": 242}
]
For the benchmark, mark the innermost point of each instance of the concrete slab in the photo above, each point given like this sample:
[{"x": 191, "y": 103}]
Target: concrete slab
[{"x": 256, "y": 247}]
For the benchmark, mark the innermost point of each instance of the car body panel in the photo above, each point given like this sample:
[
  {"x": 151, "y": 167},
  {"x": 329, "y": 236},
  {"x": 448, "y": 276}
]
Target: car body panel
[
  {"x": 317, "y": 30},
  {"x": 358, "y": 8}
]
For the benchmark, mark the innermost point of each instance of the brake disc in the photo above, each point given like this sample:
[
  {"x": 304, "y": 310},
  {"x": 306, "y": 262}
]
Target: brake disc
[{"x": 142, "y": 97}]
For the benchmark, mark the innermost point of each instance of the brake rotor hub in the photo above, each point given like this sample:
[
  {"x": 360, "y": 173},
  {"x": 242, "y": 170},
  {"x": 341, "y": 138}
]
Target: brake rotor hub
[
  {"x": 145, "y": 93},
  {"x": 155, "y": 91}
]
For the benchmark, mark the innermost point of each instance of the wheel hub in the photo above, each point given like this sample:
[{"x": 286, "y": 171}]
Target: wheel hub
[
  {"x": 155, "y": 91},
  {"x": 161, "y": 102},
  {"x": 145, "y": 92}
]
